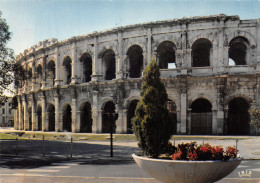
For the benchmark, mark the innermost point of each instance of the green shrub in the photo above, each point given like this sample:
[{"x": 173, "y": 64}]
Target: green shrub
[{"x": 151, "y": 123}]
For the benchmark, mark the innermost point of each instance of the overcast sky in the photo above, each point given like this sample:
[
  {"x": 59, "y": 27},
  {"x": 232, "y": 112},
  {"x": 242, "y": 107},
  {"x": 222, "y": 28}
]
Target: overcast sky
[{"x": 33, "y": 21}]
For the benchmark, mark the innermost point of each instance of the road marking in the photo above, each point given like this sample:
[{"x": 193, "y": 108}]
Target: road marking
[
  {"x": 62, "y": 167},
  {"x": 255, "y": 169},
  {"x": 242, "y": 166},
  {"x": 26, "y": 174},
  {"x": 64, "y": 164},
  {"x": 42, "y": 170}
]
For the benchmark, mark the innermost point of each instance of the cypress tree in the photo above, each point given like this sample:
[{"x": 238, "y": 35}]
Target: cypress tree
[{"x": 151, "y": 123}]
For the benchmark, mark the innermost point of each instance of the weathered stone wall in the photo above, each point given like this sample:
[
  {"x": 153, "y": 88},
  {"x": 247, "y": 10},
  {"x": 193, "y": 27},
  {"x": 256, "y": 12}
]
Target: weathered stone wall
[{"x": 185, "y": 40}]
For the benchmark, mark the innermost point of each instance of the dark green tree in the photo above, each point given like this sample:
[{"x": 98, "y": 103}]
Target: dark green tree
[
  {"x": 151, "y": 123},
  {"x": 6, "y": 60}
]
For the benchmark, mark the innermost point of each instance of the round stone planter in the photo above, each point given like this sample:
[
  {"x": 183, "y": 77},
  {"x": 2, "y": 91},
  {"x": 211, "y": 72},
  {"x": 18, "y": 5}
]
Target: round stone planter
[{"x": 179, "y": 171}]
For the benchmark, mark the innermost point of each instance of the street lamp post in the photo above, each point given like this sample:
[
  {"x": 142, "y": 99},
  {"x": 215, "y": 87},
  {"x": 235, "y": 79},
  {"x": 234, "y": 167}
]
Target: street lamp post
[{"x": 111, "y": 117}]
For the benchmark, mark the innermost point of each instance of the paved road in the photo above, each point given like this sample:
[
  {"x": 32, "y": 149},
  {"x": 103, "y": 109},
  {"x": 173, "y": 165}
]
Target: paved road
[{"x": 91, "y": 162}]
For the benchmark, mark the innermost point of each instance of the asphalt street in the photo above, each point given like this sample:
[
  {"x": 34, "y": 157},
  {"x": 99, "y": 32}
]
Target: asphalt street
[{"x": 23, "y": 161}]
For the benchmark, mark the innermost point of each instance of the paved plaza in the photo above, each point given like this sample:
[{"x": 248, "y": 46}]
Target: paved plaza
[{"x": 51, "y": 161}]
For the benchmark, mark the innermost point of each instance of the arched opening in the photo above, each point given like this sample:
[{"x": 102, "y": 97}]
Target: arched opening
[
  {"x": 109, "y": 63},
  {"x": 87, "y": 67},
  {"x": 29, "y": 74},
  {"x": 67, "y": 121},
  {"x": 172, "y": 108},
  {"x": 51, "y": 72},
  {"x": 135, "y": 59},
  {"x": 51, "y": 117},
  {"x": 201, "y": 49},
  {"x": 201, "y": 117},
  {"x": 39, "y": 118},
  {"x": 166, "y": 55},
  {"x": 131, "y": 114},
  {"x": 86, "y": 118},
  {"x": 238, "y": 117},
  {"x": 238, "y": 48},
  {"x": 30, "y": 118},
  {"x": 39, "y": 74},
  {"x": 107, "y": 122},
  {"x": 67, "y": 68}
]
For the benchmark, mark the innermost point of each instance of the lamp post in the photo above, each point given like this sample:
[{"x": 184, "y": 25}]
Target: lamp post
[{"x": 111, "y": 117}]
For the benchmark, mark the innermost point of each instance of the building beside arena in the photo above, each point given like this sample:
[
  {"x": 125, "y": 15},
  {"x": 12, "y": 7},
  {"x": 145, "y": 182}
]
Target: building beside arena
[{"x": 210, "y": 66}]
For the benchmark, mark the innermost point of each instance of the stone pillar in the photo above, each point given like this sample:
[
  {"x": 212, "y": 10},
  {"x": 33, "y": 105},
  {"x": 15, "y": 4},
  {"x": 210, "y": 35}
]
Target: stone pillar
[
  {"x": 57, "y": 114},
  {"x": 57, "y": 69},
  {"x": 96, "y": 76},
  {"x": 44, "y": 120},
  {"x": 214, "y": 122},
  {"x": 188, "y": 58},
  {"x": 124, "y": 122},
  {"x": 220, "y": 122},
  {"x": 119, "y": 121},
  {"x": 20, "y": 114},
  {"x": 34, "y": 128},
  {"x": 119, "y": 60},
  {"x": 189, "y": 121},
  {"x": 149, "y": 47},
  {"x": 178, "y": 126},
  {"x": 43, "y": 72},
  {"x": 73, "y": 115},
  {"x": 33, "y": 75},
  {"x": 95, "y": 113},
  {"x": 225, "y": 120},
  {"x": 74, "y": 65},
  {"x": 77, "y": 125},
  {"x": 26, "y": 121},
  {"x": 183, "y": 113}
]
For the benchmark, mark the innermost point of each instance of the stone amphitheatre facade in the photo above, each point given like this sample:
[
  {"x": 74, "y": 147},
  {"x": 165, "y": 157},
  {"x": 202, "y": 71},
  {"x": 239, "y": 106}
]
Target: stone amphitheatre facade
[{"x": 209, "y": 65}]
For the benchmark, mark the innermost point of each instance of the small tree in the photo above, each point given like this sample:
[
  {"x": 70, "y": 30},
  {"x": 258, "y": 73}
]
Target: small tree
[
  {"x": 151, "y": 123},
  {"x": 255, "y": 114}
]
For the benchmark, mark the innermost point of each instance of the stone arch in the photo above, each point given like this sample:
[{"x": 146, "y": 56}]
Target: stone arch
[
  {"x": 108, "y": 123},
  {"x": 132, "y": 43},
  {"x": 51, "y": 116},
  {"x": 238, "y": 95},
  {"x": 67, "y": 117},
  {"x": 201, "y": 117},
  {"x": 129, "y": 99},
  {"x": 85, "y": 117},
  {"x": 104, "y": 101},
  {"x": 109, "y": 64},
  {"x": 166, "y": 55},
  {"x": 104, "y": 48},
  {"x": 238, "y": 33},
  {"x": 86, "y": 60},
  {"x": 82, "y": 51},
  {"x": 203, "y": 35},
  {"x": 169, "y": 38},
  {"x": 201, "y": 52},
  {"x": 67, "y": 63},
  {"x": 135, "y": 60}
]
